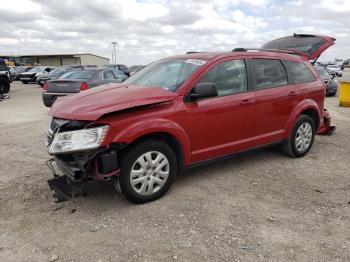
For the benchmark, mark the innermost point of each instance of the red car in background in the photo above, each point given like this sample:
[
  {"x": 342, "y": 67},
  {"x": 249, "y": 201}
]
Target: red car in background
[{"x": 187, "y": 110}]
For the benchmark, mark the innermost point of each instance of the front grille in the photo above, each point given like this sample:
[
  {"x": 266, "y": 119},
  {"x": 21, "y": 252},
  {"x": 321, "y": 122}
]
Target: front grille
[{"x": 57, "y": 123}]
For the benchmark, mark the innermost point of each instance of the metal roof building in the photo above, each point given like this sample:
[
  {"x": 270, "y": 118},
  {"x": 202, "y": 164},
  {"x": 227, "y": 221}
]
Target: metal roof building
[{"x": 59, "y": 59}]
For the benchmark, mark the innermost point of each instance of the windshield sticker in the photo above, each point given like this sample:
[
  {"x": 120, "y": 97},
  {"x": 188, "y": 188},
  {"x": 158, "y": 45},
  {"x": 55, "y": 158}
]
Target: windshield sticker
[{"x": 195, "y": 61}]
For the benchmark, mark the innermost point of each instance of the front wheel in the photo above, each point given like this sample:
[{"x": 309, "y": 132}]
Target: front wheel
[
  {"x": 302, "y": 138},
  {"x": 4, "y": 88},
  {"x": 147, "y": 171}
]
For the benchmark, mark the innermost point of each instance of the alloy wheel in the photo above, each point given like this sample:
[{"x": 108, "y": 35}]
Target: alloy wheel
[
  {"x": 149, "y": 173},
  {"x": 303, "y": 137}
]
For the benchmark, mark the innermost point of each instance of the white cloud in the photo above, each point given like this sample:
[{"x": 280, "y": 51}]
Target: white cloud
[{"x": 151, "y": 29}]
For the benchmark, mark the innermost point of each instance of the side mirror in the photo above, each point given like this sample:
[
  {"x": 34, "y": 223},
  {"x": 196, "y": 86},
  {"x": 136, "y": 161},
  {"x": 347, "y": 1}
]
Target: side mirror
[{"x": 203, "y": 90}]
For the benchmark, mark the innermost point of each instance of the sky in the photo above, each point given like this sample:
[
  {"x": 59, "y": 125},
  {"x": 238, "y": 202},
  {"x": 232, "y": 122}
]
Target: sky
[{"x": 147, "y": 30}]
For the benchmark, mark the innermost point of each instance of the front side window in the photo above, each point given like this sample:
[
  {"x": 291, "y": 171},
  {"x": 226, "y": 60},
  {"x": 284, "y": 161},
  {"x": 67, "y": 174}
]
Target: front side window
[
  {"x": 230, "y": 77},
  {"x": 168, "y": 74},
  {"x": 299, "y": 73},
  {"x": 268, "y": 73}
]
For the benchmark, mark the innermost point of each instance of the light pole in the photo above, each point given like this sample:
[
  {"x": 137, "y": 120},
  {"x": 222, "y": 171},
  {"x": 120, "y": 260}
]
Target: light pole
[{"x": 115, "y": 55}]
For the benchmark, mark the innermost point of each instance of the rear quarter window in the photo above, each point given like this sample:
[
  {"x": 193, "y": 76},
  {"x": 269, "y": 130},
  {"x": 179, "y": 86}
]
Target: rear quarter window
[{"x": 299, "y": 72}]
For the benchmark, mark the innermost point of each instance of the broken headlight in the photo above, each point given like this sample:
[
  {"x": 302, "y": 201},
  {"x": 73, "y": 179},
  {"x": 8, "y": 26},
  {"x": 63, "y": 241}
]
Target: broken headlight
[{"x": 78, "y": 140}]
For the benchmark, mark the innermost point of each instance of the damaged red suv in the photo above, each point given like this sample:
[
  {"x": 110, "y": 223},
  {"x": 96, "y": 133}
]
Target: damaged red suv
[{"x": 187, "y": 110}]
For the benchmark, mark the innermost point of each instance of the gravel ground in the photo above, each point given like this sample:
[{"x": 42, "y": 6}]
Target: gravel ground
[{"x": 259, "y": 207}]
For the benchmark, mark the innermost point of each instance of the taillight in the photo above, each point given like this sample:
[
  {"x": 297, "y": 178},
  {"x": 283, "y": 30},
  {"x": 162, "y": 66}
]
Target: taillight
[
  {"x": 84, "y": 86},
  {"x": 45, "y": 86}
]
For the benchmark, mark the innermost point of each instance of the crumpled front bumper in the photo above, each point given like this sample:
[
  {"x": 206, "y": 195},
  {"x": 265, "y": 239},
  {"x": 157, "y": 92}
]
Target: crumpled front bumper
[
  {"x": 77, "y": 168},
  {"x": 326, "y": 128}
]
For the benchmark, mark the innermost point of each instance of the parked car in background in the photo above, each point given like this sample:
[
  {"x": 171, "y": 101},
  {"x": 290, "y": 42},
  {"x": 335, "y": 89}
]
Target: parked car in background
[
  {"x": 331, "y": 84},
  {"x": 75, "y": 81},
  {"x": 32, "y": 74},
  {"x": 60, "y": 71},
  {"x": 120, "y": 75},
  {"x": 187, "y": 110},
  {"x": 120, "y": 67},
  {"x": 134, "y": 69},
  {"x": 15, "y": 72},
  {"x": 5, "y": 78},
  {"x": 335, "y": 70},
  {"x": 54, "y": 74}
]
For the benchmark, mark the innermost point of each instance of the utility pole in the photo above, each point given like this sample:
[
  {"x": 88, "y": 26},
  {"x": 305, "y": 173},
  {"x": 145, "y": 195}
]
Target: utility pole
[{"x": 115, "y": 54}]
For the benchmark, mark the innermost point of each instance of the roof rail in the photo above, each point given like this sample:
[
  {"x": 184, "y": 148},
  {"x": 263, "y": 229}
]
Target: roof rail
[
  {"x": 193, "y": 52},
  {"x": 241, "y": 49}
]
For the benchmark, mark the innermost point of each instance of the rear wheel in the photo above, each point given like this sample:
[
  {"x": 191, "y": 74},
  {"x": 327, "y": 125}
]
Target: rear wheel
[
  {"x": 147, "y": 171},
  {"x": 24, "y": 82},
  {"x": 302, "y": 138}
]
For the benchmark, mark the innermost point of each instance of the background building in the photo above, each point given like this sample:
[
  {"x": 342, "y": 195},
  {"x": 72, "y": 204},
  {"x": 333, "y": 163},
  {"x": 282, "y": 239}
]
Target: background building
[{"x": 58, "y": 59}]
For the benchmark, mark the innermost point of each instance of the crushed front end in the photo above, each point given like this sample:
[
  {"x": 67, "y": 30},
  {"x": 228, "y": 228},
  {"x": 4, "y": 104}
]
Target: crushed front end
[{"x": 76, "y": 147}]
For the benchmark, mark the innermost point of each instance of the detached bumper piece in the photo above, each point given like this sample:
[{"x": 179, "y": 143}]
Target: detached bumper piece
[
  {"x": 64, "y": 188},
  {"x": 326, "y": 127}
]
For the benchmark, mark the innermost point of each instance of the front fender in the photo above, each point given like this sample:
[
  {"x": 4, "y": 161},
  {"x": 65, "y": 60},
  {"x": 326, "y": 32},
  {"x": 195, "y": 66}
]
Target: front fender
[
  {"x": 298, "y": 109},
  {"x": 145, "y": 127}
]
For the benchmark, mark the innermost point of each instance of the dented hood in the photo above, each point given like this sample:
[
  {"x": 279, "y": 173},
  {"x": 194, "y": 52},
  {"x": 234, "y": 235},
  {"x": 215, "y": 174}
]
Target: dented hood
[{"x": 98, "y": 101}]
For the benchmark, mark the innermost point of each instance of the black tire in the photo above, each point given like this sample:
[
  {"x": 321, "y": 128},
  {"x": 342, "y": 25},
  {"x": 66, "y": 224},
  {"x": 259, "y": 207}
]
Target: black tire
[
  {"x": 24, "y": 82},
  {"x": 130, "y": 157},
  {"x": 289, "y": 147},
  {"x": 4, "y": 88}
]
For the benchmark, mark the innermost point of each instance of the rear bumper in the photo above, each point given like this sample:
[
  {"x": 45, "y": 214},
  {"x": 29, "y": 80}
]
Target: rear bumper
[
  {"x": 27, "y": 79},
  {"x": 326, "y": 128},
  {"x": 50, "y": 98}
]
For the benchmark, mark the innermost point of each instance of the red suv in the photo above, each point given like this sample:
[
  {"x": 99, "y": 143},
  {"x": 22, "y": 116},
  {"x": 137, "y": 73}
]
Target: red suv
[{"x": 187, "y": 110}]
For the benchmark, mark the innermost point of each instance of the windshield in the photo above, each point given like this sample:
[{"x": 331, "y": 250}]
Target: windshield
[
  {"x": 322, "y": 71},
  {"x": 36, "y": 70},
  {"x": 78, "y": 75},
  {"x": 168, "y": 74}
]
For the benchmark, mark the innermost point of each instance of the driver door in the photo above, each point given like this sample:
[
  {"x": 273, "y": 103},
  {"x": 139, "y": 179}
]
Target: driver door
[{"x": 221, "y": 125}]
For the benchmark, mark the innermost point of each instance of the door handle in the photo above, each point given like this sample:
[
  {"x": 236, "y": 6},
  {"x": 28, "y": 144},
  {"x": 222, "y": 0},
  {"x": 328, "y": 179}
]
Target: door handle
[
  {"x": 293, "y": 93},
  {"x": 247, "y": 102}
]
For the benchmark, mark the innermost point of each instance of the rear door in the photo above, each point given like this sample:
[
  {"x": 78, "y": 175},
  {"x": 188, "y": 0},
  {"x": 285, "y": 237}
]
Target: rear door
[
  {"x": 310, "y": 46},
  {"x": 275, "y": 99}
]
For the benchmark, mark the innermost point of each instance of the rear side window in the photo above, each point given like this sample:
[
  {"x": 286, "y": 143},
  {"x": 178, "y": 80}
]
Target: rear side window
[
  {"x": 230, "y": 77},
  {"x": 108, "y": 75},
  {"x": 268, "y": 73},
  {"x": 299, "y": 72}
]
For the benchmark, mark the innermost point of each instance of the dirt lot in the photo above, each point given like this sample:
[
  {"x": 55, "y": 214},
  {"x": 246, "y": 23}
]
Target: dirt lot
[{"x": 259, "y": 207}]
